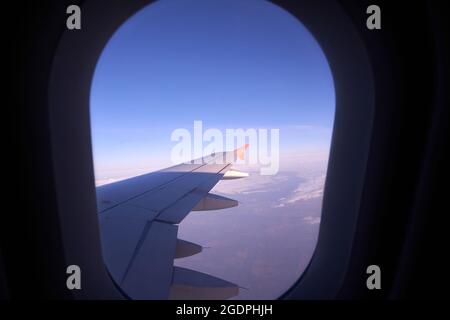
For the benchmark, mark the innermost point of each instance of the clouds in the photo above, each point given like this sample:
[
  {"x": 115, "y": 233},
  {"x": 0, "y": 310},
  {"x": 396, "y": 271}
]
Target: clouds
[
  {"x": 311, "y": 220},
  {"x": 311, "y": 189},
  {"x": 312, "y": 170}
]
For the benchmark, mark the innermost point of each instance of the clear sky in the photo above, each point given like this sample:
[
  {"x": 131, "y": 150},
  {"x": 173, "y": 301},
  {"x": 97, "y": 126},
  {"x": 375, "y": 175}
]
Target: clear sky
[{"x": 230, "y": 63}]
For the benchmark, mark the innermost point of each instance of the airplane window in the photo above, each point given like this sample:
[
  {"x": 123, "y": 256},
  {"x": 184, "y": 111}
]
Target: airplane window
[{"x": 181, "y": 80}]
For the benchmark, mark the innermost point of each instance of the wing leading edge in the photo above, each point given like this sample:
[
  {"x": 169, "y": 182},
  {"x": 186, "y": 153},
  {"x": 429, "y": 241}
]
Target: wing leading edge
[{"x": 139, "y": 220}]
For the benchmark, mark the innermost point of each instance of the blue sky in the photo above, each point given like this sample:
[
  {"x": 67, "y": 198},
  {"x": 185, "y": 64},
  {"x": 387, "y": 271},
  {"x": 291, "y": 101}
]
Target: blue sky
[{"x": 230, "y": 63}]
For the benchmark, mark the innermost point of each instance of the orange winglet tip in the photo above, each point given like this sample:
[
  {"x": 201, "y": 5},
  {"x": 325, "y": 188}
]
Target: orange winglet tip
[{"x": 240, "y": 152}]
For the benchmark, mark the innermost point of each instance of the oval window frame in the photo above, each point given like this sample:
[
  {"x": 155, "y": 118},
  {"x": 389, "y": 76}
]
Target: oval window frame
[{"x": 69, "y": 118}]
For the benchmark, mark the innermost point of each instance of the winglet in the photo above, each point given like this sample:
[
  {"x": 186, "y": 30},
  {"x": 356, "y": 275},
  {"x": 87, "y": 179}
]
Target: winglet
[{"x": 240, "y": 152}]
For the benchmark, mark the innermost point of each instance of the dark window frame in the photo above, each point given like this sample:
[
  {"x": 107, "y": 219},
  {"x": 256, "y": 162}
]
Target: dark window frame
[{"x": 69, "y": 120}]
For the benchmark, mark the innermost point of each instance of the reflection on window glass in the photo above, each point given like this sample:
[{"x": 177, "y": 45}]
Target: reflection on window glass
[{"x": 175, "y": 81}]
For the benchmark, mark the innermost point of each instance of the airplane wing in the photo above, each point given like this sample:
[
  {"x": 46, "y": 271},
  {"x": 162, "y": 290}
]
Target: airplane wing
[{"x": 139, "y": 220}]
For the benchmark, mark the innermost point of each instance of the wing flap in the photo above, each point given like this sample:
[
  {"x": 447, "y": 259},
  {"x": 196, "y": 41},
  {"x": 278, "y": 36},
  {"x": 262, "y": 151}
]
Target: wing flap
[
  {"x": 191, "y": 284},
  {"x": 120, "y": 230},
  {"x": 149, "y": 275}
]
